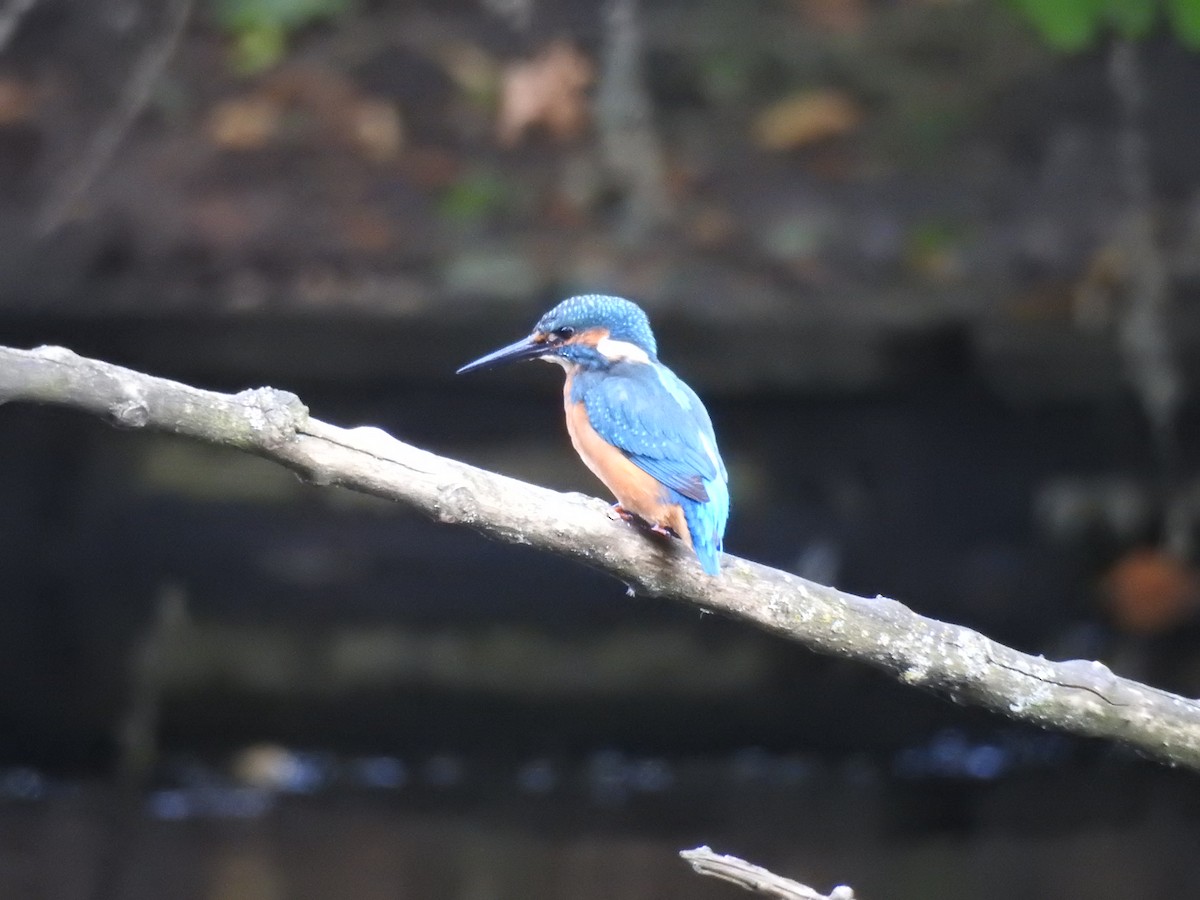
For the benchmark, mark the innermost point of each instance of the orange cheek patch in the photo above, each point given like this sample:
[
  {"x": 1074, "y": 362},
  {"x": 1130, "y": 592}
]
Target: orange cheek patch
[{"x": 589, "y": 338}]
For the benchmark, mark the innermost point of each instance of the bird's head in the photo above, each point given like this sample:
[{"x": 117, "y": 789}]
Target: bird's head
[{"x": 591, "y": 330}]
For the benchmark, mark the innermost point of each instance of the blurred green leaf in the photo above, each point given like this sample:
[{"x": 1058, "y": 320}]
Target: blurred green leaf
[
  {"x": 725, "y": 76},
  {"x": 476, "y": 196},
  {"x": 260, "y": 28},
  {"x": 1132, "y": 19},
  {"x": 1071, "y": 25},
  {"x": 1065, "y": 24},
  {"x": 934, "y": 235},
  {"x": 258, "y": 48},
  {"x": 239, "y": 15},
  {"x": 1184, "y": 16}
]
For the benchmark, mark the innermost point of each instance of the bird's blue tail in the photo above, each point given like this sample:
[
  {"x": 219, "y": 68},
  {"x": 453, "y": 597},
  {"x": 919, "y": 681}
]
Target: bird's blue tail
[{"x": 706, "y": 522}]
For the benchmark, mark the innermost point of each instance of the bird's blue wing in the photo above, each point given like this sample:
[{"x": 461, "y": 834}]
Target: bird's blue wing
[{"x": 657, "y": 421}]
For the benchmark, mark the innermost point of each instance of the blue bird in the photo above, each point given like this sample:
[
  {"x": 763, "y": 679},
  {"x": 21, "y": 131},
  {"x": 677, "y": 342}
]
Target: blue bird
[{"x": 641, "y": 430}]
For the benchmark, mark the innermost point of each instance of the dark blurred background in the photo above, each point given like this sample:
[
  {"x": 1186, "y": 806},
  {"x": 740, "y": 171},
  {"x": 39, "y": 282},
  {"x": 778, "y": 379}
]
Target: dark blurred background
[{"x": 933, "y": 264}]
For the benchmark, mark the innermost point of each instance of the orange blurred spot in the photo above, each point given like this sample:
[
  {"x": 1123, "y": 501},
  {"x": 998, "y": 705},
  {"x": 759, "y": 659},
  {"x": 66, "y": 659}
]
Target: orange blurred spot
[{"x": 1150, "y": 592}]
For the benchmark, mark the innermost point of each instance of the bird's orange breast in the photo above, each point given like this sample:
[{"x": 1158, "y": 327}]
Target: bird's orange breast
[{"x": 636, "y": 490}]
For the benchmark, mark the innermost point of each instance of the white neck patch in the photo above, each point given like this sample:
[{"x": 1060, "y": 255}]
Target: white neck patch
[{"x": 621, "y": 351}]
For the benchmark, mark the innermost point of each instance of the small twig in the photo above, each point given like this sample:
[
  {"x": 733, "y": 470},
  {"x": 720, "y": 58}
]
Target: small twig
[
  {"x": 756, "y": 878},
  {"x": 10, "y": 18},
  {"x": 629, "y": 142},
  {"x": 137, "y": 739},
  {"x": 137, "y": 730},
  {"x": 1075, "y": 696},
  {"x": 104, "y": 143},
  {"x": 1145, "y": 336}
]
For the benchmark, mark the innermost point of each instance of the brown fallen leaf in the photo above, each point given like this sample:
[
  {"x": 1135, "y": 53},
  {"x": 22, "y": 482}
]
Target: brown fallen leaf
[
  {"x": 17, "y": 101},
  {"x": 806, "y": 118},
  {"x": 244, "y": 123},
  {"x": 318, "y": 107},
  {"x": 711, "y": 226},
  {"x": 367, "y": 231},
  {"x": 549, "y": 91},
  {"x": 377, "y": 129},
  {"x": 432, "y": 168}
]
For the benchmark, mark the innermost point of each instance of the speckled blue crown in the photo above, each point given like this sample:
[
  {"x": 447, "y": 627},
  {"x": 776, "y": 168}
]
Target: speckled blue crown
[{"x": 624, "y": 320}]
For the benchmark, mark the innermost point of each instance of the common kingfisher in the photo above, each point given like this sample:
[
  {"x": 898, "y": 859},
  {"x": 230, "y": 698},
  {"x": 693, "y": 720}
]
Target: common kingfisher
[{"x": 635, "y": 424}]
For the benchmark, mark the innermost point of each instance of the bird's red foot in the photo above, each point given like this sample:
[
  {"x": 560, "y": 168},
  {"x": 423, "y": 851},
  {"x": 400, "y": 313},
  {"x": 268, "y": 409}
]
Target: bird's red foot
[{"x": 617, "y": 511}]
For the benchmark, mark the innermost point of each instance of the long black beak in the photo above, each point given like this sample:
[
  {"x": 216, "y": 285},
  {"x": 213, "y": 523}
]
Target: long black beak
[{"x": 526, "y": 348}]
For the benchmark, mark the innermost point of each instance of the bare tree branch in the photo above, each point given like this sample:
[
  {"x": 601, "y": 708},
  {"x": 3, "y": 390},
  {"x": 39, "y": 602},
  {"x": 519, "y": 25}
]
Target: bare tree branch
[
  {"x": 756, "y": 878},
  {"x": 1076, "y": 696}
]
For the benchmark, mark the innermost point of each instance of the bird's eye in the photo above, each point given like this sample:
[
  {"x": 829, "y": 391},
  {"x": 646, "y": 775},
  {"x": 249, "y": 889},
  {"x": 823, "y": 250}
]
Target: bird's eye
[{"x": 564, "y": 333}]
